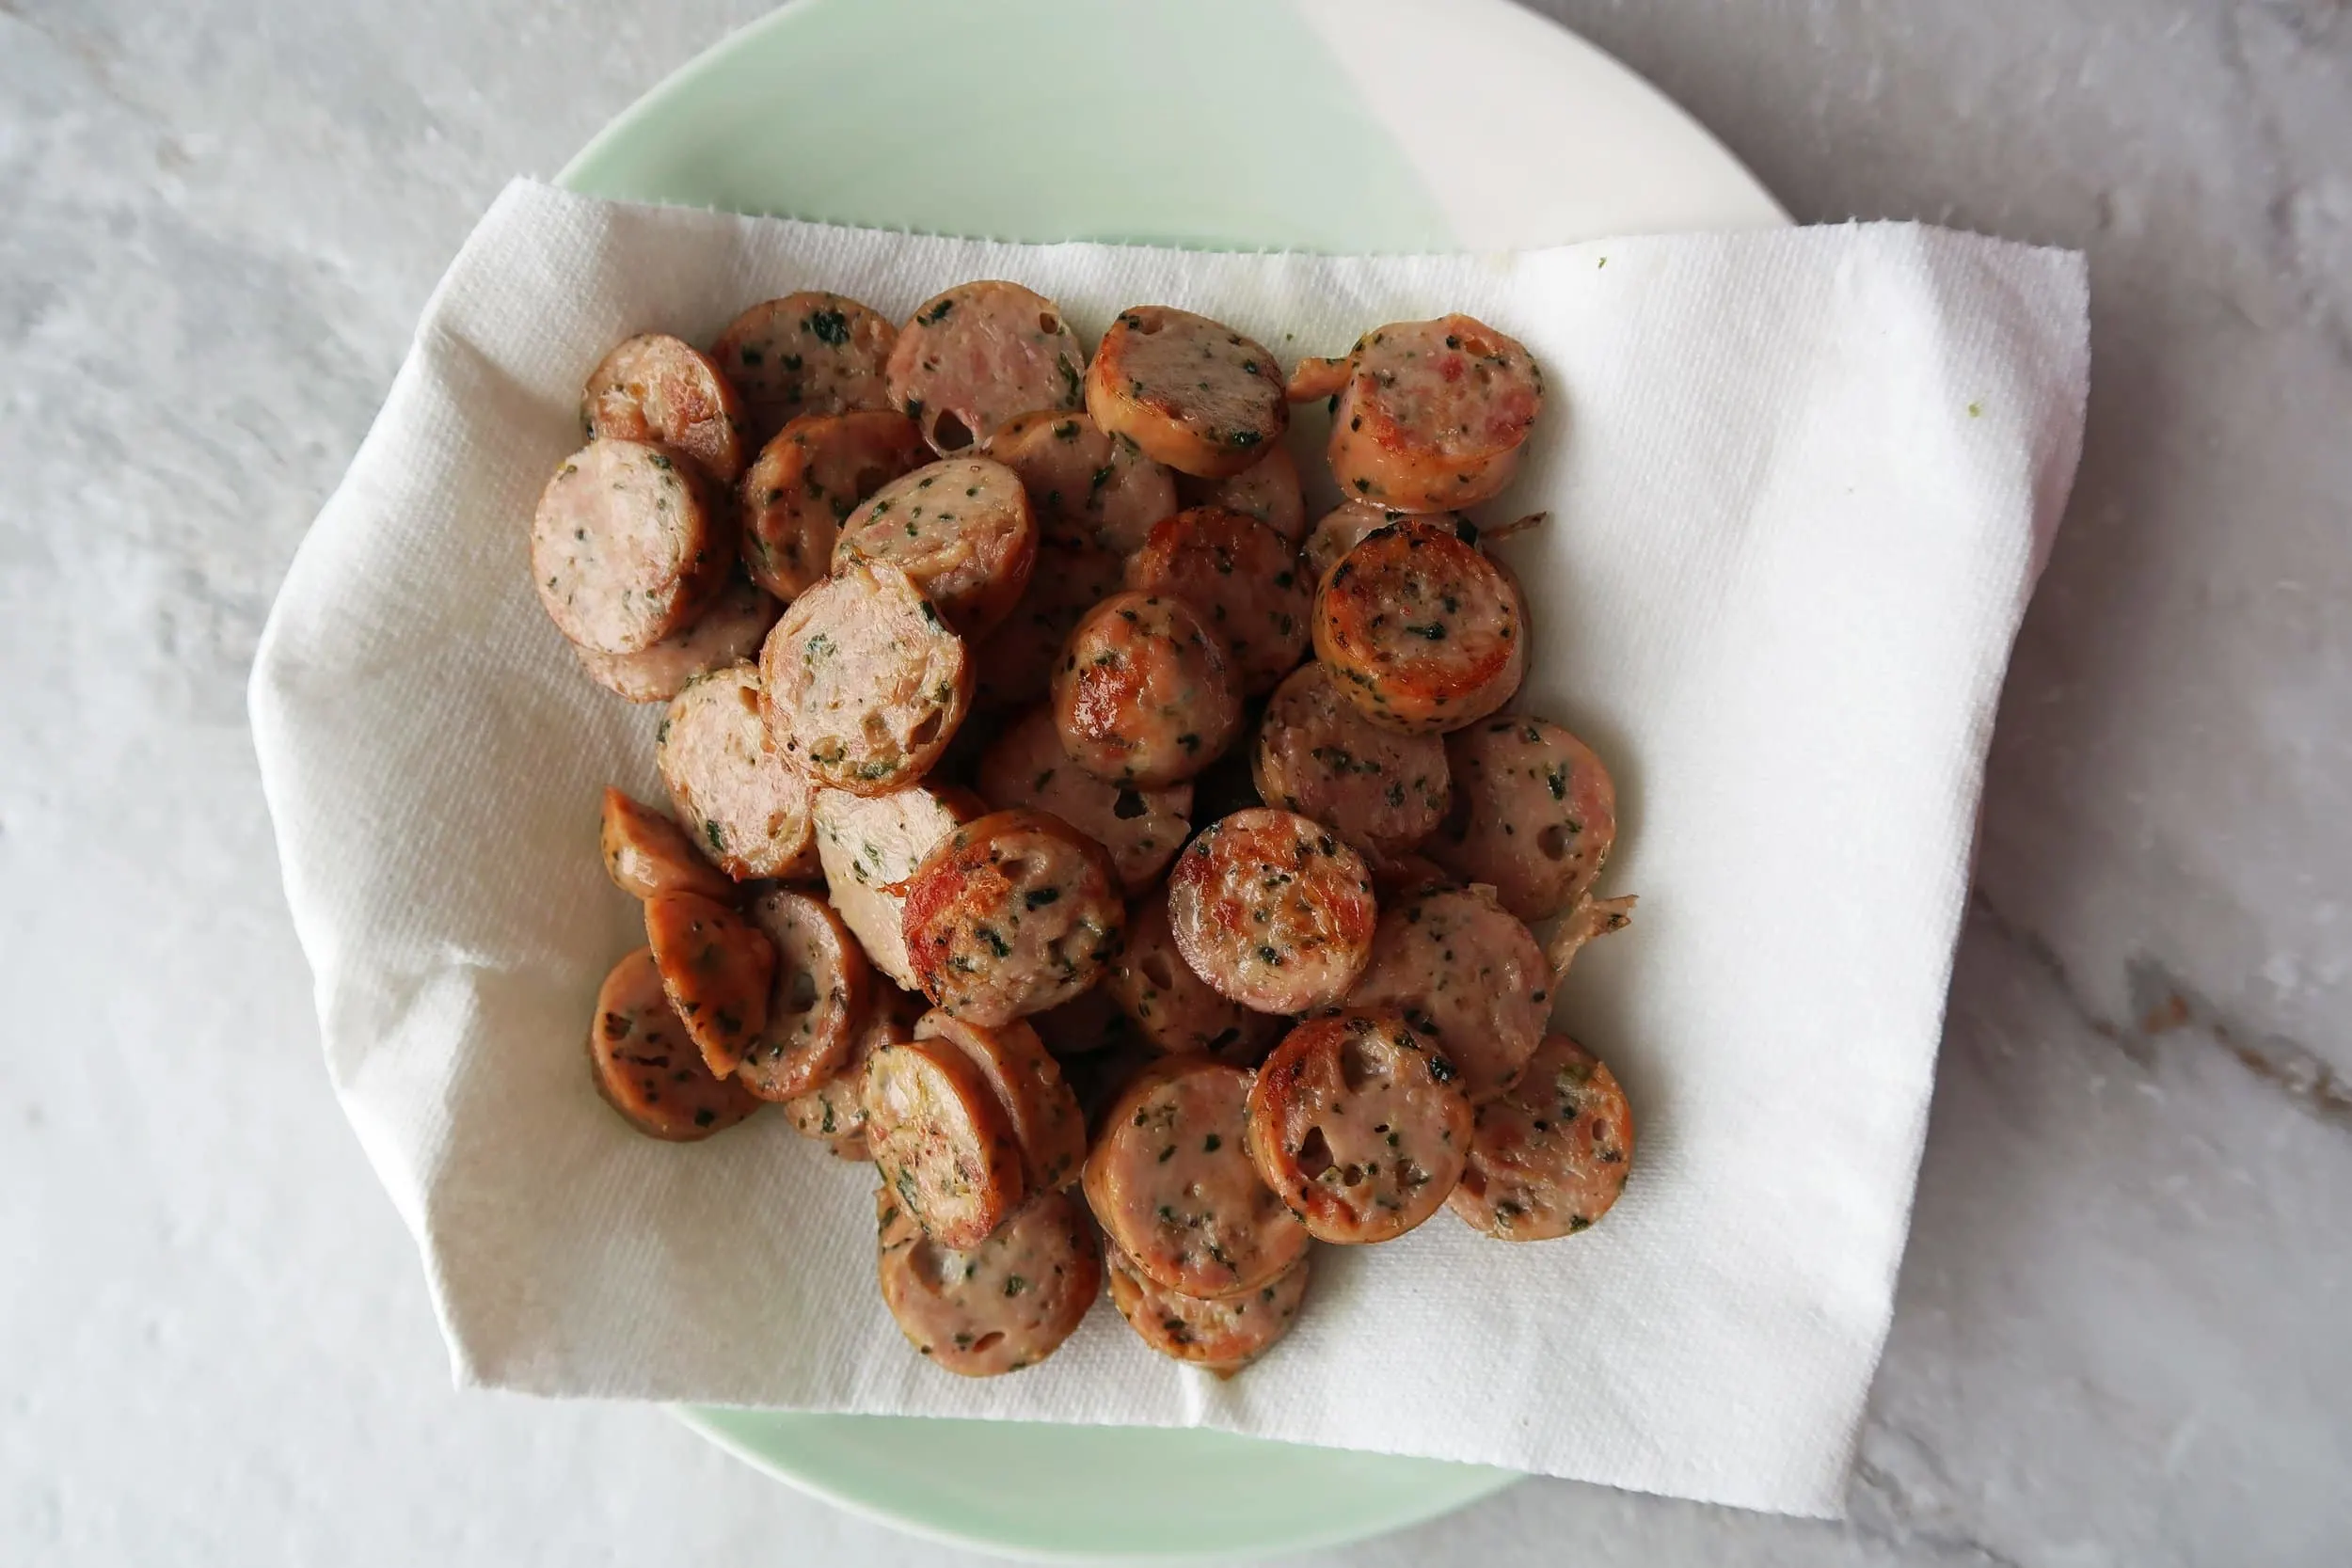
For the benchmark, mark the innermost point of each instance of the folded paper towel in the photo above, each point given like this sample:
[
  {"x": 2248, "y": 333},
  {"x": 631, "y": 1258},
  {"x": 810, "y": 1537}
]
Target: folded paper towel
[{"x": 1801, "y": 484}]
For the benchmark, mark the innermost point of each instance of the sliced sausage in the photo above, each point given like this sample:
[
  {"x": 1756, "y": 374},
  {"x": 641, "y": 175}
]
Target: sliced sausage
[
  {"x": 1344, "y": 527},
  {"x": 657, "y": 388},
  {"x": 868, "y": 846},
  {"x": 941, "y": 1141},
  {"x": 835, "y": 1110},
  {"x": 1010, "y": 915},
  {"x": 1424, "y": 632},
  {"x": 1016, "y": 661},
  {"x": 716, "y": 967},
  {"x": 1027, "y": 1082},
  {"x": 865, "y": 683},
  {"x": 960, "y": 528},
  {"x": 1534, "y": 814},
  {"x": 1085, "y": 484},
  {"x": 727, "y": 632},
  {"x": 1192, "y": 393},
  {"x": 627, "y": 544},
  {"x": 1549, "y": 1157},
  {"x": 816, "y": 1001},
  {"x": 1221, "y": 1336},
  {"x": 1468, "y": 976},
  {"x": 645, "y": 1067},
  {"x": 1359, "y": 1125},
  {"x": 1145, "y": 695},
  {"x": 1381, "y": 791},
  {"x": 738, "y": 796},
  {"x": 1433, "y": 415},
  {"x": 1266, "y": 490},
  {"x": 806, "y": 482},
  {"x": 1141, "y": 827},
  {"x": 808, "y": 353},
  {"x": 1176, "y": 1009},
  {"x": 1171, "y": 1183},
  {"x": 1007, "y": 1303},
  {"x": 1242, "y": 577},
  {"x": 646, "y": 853},
  {"x": 1275, "y": 912},
  {"x": 973, "y": 357}
]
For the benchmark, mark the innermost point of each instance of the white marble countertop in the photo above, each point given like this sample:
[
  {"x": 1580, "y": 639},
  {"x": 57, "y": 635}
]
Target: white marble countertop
[{"x": 2122, "y": 1331}]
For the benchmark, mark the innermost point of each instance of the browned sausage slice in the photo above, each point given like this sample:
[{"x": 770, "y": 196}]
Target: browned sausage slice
[
  {"x": 657, "y": 388},
  {"x": 646, "y": 853},
  {"x": 941, "y": 1141},
  {"x": 1221, "y": 1336},
  {"x": 1424, "y": 632},
  {"x": 1433, "y": 414},
  {"x": 808, "y": 353},
  {"x": 1145, "y": 695},
  {"x": 1085, "y": 485},
  {"x": 1171, "y": 1183},
  {"x": 1468, "y": 976},
  {"x": 1551, "y": 1156},
  {"x": 716, "y": 967},
  {"x": 815, "y": 1000},
  {"x": 1027, "y": 1082},
  {"x": 807, "y": 481},
  {"x": 1141, "y": 827},
  {"x": 1242, "y": 577},
  {"x": 1012, "y": 914},
  {"x": 960, "y": 528},
  {"x": 628, "y": 546},
  {"x": 1007, "y": 1303},
  {"x": 1192, "y": 393},
  {"x": 1273, "y": 911},
  {"x": 1360, "y": 1126},
  {"x": 1016, "y": 661},
  {"x": 973, "y": 357},
  {"x": 728, "y": 631},
  {"x": 1267, "y": 490},
  {"x": 835, "y": 1110},
  {"x": 647, "y": 1069},
  {"x": 1534, "y": 814},
  {"x": 865, "y": 683},
  {"x": 1381, "y": 791},
  {"x": 1344, "y": 527},
  {"x": 737, "y": 796},
  {"x": 1177, "y": 1010}
]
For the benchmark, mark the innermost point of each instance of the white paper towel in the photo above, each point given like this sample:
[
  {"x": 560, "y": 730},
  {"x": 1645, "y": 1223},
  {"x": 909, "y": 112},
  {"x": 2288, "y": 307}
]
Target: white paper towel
[{"x": 1801, "y": 484}]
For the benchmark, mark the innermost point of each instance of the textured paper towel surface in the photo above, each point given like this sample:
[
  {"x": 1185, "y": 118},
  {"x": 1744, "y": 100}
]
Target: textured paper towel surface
[{"x": 1800, "y": 483}]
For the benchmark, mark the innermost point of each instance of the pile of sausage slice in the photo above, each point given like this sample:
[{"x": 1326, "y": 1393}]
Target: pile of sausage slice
[{"x": 1146, "y": 883}]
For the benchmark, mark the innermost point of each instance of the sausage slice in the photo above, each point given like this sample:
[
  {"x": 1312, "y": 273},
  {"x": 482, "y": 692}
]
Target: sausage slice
[
  {"x": 646, "y": 853},
  {"x": 1242, "y": 577},
  {"x": 1192, "y": 393},
  {"x": 1221, "y": 1336},
  {"x": 814, "y": 1002},
  {"x": 647, "y": 1069},
  {"x": 1006, "y": 1304},
  {"x": 1267, "y": 490},
  {"x": 1176, "y": 1009},
  {"x": 806, "y": 482},
  {"x": 1171, "y": 1183},
  {"x": 1549, "y": 1157},
  {"x": 1027, "y": 1082},
  {"x": 627, "y": 544},
  {"x": 1423, "y": 630},
  {"x": 1381, "y": 791},
  {"x": 1085, "y": 485},
  {"x": 1016, "y": 661},
  {"x": 1273, "y": 911},
  {"x": 835, "y": 1110},
  {"x": 1533, "y": 816},
  {"x": 1010, "y": 915},
  {"x": 973, "y": 357},
  {"x": 865, "y": 683},
  {"x": 728, "y": 631},
  {"x": 1359, "y": 1125},
  {"x": 1469, "y": 977},
  {"x": 1433, "y": 414},
  {"x": 941, "y": 1141},
  {"x": 657, "y": 388},
  {"x": 1141, "y": 827},
  {"x": 960, "y": 528},
  {"x": 1145, "y": 695},
  {"x": 808, "y": 353},
  {"x": 745, "y": 805},
  {"x": 869, "y": 846},
  {"x": 716, "y": 967}
]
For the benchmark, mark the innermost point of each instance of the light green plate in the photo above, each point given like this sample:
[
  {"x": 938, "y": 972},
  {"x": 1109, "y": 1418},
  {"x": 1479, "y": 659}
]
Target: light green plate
[{"x": 1336, "y": 125}]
